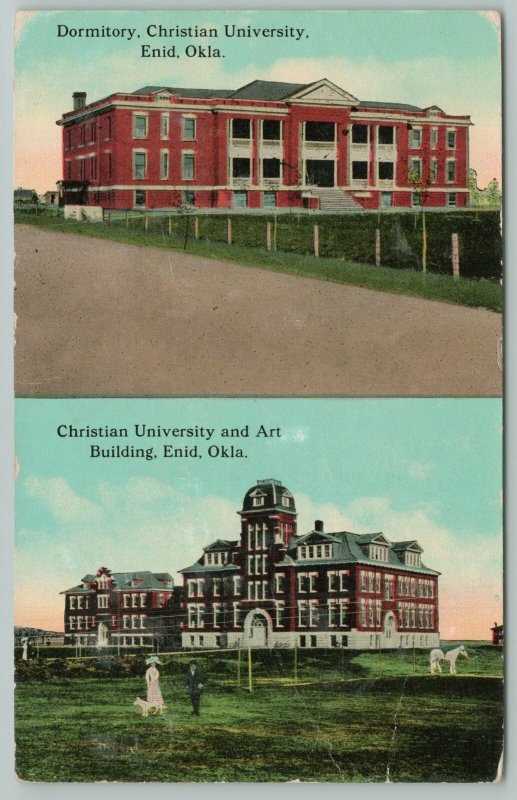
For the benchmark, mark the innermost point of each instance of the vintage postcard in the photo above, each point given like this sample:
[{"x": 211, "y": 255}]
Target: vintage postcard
[
  {"x": 259, "y": 590},
  {"x": 258, "y": 377},
  {"x": 258, "y": 203}
]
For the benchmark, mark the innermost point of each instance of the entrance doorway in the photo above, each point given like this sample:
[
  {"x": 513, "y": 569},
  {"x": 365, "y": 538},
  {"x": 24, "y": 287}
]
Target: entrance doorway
[{"x": 319, "y": 173}]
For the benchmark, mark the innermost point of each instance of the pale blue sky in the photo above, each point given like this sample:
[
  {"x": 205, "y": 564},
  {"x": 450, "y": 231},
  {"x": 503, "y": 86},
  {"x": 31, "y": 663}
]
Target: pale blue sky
[
  {"x": 424, "y": 469},
  {"x": 446, "y": 58}
]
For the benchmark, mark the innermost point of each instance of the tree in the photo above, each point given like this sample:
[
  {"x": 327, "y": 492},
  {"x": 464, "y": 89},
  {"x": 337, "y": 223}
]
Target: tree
[{"x": 421, "y": 190}]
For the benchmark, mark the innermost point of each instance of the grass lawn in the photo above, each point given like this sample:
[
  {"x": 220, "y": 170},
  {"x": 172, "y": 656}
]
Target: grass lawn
[
  {"x": 357, "y": 728},
  {"x": 478, "y": 293}
]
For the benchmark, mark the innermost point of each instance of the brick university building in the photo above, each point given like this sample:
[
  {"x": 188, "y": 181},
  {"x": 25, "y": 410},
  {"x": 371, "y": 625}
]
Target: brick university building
[
  {"x": 265, "y": 145},
  {"x": 270, "y": 587}
]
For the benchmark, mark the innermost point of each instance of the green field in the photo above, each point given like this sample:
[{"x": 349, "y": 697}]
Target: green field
[
  {"x": 348, "y": 717},
  {"x": 345, "y": 265}
]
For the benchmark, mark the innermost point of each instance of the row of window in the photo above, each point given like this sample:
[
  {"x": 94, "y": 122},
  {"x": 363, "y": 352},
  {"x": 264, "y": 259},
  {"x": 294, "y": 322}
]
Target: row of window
[
  {"x": 216, "y": 559},
  {"x": 370, "y": 581},
  {"x": 414, "y": 615},
  {"x": 129, "y": 600},
  {"x": 414, "y": 587},
  {"x": 308, "y": 613},
  {"x": 312, "y": 551},
  {"x": 270, "y": 169},
  {"x": 88, "y": 622},
  {"x": 270, "y": 131}
]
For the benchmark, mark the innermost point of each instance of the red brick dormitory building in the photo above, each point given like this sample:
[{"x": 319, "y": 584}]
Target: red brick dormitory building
[
  {"x": 274, "y": 587},
  {"x": 265, "y": 145}
]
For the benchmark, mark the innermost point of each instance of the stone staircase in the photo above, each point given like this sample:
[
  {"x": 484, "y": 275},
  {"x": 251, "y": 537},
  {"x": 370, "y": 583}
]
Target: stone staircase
[{"x": 335, "y": 200}]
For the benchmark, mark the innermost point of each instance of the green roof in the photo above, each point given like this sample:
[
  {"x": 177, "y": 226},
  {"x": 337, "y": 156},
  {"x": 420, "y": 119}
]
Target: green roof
[
  {"x": 348, "y": 550},
  {"x": 124, "y": 581}
]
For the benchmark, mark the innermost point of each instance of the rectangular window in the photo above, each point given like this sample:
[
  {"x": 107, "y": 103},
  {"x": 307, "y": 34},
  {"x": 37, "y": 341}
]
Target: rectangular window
[
  {"x": 108, "y": 164},
  {"x": 102, "y": 601},
  {"x": 434, "y": 137},
  {"x": 414, "y": 170},
  {"x": 451, "y": 140},
  {"x": 108, "y": 128},
  {"x": 188, "y": 198},
  {"x": 241, "y": 169},
  {"x": 303, "y": 615},
  {"x": 139, "y": 126},
  {"x": 433, "y": 170},
  {"x": 241, "y": 129},
  {"x": 93, "y": 132},
  {"x": 271, "y": 169},
  {"x": 451, "y": 199},
  {"x": 415, "y": 138},
  {"x": 164, "y": 126},
  {"x": 386, "y": 134},
  {"x": 68, "y": 139},
  {"x": 451, "y": 171},
  {"x": 187, "y": 166},
  {"x": 188, "y": 128},
  {"x": 333, "y": 581},
  {"x": 320, "y": 131},
  {"x": 359, "y": 134},
  {"x": 139, "y": 165},
  {"x": 386, "y": 170},
  {"x": 359, "y": 170},
  {"x": 164, "y": 164},
  {"x": 271, "y": 130}
]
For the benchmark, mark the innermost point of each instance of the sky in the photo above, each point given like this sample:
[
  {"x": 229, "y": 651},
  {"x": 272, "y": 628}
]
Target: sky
[
  {"x": 447, "y": 58},
  {"x": 424, "y": 469}
]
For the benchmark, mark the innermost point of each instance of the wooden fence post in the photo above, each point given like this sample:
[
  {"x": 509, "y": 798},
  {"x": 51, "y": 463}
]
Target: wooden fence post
[
  {"x": 238, "y": 663},
  {"x": 250, "y": 674},
  {"x": 268, "y": 236},
  {"x": 196, "y": 227},
  {"x": 169, "y": 225},
  {"x": 146, "y": 222},
  {"x": 127, "y": 219},
  {"x": 316, "y": 240},
  {"x": 377, "y": 247},
  {"x": 229, "y": 231},
  {"x": 455, "y": 255}
]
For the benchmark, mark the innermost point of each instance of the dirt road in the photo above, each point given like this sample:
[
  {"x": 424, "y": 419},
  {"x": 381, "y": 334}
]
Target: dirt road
[{"x": 107, "y": 319}]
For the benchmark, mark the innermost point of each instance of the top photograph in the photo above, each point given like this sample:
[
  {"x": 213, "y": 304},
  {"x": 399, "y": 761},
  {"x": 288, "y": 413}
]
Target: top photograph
[{"x": 259, "y": 203}]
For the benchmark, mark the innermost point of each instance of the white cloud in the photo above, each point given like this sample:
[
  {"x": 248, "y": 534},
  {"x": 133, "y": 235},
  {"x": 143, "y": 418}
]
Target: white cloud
[
  {"x": 61, "y": 500},
  {"x": 419, "y": 471}
]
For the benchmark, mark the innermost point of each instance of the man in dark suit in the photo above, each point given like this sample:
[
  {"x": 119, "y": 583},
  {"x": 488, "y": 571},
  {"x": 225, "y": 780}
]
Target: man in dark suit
[{"x": 195, "y": 683}]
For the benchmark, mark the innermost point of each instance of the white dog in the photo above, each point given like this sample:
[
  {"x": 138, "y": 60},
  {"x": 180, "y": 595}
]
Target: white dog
[{"x": 145, "y": 707}]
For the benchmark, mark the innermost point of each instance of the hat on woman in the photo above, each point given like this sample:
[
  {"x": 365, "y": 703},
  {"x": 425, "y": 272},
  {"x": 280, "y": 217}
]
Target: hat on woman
[{"x": 153, "y": 660}]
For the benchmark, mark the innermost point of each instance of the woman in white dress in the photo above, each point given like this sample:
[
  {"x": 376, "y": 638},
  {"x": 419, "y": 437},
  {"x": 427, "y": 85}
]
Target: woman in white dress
[{"x": 152, "y": 678}]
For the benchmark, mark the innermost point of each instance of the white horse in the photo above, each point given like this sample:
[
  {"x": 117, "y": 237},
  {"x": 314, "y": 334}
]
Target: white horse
[
  {"x": 452, "y": 655},
  {"x": 436, "y": 656}
]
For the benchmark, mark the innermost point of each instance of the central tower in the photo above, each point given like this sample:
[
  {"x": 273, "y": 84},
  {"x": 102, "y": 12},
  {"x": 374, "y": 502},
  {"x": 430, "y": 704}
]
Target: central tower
[{"x": 268, "y": 521}]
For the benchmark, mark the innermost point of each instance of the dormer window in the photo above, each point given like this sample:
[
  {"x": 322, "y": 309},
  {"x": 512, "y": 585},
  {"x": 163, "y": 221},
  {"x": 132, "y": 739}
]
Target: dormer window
[
  {"x": 258, "y": 501},
  {"x": 412, "y": 559},
  {"x": 286, "y": 500},
  {"x": 378, "y": 552}
]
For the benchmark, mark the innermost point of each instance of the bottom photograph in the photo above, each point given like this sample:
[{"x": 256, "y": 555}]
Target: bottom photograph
[{"x": 259, "y": 590}]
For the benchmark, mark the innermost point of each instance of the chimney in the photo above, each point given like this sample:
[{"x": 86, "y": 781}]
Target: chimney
[
  {"x": 318, "y": 525},
  {"x": 79, "y": 100}
]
